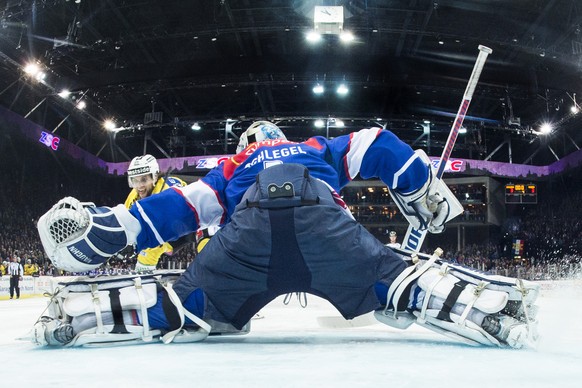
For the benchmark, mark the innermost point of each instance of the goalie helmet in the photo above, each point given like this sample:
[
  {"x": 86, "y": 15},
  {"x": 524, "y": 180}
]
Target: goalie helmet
[
  {"x": 143, "y": 165},
  {"x": 259, "y": 131}
]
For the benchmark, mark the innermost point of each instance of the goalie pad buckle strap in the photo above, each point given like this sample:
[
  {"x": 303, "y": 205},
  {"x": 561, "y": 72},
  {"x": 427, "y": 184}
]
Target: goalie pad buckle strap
[
  {"x": 175, "y": 320},
  {"x": 97, "y": 307},
  {"x": 118, "y": 325},
  {"x": 147, "y": 336},
  {"x": 444, "y": 313}
]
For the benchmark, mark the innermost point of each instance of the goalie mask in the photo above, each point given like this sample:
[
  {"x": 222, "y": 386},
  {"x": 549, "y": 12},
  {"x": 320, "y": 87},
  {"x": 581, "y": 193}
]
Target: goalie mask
[
  {"x": 140, "y": 166},
  {"x": 259, "y": 131}
]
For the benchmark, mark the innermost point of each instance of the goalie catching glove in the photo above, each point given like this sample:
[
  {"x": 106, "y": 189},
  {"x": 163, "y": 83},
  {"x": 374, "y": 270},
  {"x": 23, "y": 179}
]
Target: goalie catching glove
[
  {"x": 431, "y": 206},
  {"x": 78, "y": 236},
  {"x": 462, "y": 303}
]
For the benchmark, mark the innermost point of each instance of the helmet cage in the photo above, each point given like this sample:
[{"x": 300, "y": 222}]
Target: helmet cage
[{"x": 259, "y": 131}]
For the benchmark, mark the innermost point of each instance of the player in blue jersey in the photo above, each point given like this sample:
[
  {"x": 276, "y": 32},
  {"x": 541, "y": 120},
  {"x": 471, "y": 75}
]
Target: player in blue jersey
[{"x": 284, "y": 229}]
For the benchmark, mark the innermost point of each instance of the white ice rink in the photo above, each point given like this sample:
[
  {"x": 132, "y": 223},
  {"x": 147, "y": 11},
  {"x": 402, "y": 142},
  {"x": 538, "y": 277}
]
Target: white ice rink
[{"x": 287, "y": 348}]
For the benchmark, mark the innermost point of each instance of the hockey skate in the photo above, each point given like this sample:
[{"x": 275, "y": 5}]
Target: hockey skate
[
  {"x": 50, "y": 331},
  {"x": 111, "y": 311},
  {"x": 462, "y": 303}
]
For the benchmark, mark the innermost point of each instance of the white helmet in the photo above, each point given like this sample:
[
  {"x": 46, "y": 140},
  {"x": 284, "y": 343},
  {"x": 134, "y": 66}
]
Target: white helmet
[
  {"x": 143, "y": 165},
  {"x": 259, "y": 131}
]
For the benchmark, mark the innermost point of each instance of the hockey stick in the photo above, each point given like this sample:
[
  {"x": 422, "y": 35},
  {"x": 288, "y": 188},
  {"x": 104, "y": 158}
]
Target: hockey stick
[{"x": 414, "y": 237}]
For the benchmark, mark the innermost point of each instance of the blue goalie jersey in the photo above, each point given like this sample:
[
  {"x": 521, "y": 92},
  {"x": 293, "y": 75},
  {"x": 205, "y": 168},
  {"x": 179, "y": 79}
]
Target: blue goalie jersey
[{"x": 368, "y": 153}]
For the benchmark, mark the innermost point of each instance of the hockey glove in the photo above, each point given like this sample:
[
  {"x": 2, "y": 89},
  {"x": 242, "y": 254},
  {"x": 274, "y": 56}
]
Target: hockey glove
[
  {"x": 79, "y": 237},
  {"x": 431, "y": 206},
  {"x": 143, "y": 268}
]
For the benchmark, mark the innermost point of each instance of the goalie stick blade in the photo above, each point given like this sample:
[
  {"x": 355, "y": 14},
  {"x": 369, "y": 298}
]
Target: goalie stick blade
[
  {"x": 104, "y": 279},
  {"x": 339, "y": 322}
]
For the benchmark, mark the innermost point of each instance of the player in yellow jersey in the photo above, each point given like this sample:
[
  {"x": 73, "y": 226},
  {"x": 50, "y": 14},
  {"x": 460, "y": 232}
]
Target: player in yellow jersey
[
  {"x": 30, "y": 268},
  {"x": 143, "y": 175}
]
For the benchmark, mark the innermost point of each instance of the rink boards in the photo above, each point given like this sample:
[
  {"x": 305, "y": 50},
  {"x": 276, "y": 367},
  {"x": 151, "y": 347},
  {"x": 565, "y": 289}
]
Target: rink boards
[
  {"x": 38, "y": 285},
  {"x": 29, "y": 286}
]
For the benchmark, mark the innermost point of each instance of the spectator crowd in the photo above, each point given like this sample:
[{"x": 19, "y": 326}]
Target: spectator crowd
[{"x": 551, "y": 231}]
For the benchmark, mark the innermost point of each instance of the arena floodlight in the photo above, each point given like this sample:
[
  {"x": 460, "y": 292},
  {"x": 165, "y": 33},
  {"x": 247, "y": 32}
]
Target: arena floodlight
[
  {"x": 196, "y": 127},
  {"x": 313, "y": 36},
  {"x": 318, "y": 89},
  {"x": 31, "y": 69},
  {"x": 109, "y": 125},
  {"x": 319, "y": 123},
  {"x": 342, "y": 90},
  {"x": 64, "y": 93},
  {"x": 546, "y": 129},
  {"x": 347, "y": 37},
  {"x": 81, "y": 105}
]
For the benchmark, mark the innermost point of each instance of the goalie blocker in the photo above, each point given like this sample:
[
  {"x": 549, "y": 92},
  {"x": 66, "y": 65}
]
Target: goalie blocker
[
  {"x": 462, "y": 303},
  {"x": 431, "y": 206}
]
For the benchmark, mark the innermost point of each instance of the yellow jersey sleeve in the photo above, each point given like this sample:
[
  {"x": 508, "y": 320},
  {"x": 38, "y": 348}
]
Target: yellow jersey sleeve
[{"x": 151, "y": 256}]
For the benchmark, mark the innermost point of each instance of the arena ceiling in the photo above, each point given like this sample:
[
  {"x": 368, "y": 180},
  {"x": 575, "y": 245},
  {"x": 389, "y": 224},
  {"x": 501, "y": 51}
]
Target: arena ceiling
[{"x": 158, "y": 67}]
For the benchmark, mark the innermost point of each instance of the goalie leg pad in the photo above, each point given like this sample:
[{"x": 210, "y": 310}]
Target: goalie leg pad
[
  {"x": 464, "y": 304},
  {"x": 112, "y": 310}
]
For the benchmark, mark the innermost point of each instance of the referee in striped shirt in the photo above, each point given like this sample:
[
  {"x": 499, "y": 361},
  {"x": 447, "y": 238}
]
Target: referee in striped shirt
[{"x": 15, "y": 271}]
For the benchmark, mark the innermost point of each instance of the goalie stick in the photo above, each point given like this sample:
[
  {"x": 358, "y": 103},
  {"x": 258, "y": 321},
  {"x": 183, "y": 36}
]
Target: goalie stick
[{"x": 414, "y": 237}]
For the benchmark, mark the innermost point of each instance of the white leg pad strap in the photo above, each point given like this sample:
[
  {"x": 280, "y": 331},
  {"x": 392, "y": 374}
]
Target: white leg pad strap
[
  {"x": 403, "y": 319},
  {"x": 96, "y": 305},
  {"x": 147, "y": 336},
  {"x": 180, "y": 335}
]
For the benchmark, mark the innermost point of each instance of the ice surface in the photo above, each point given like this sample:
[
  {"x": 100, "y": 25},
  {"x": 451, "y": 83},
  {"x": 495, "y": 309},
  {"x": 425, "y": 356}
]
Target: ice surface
[{"x": 287, "y": 348}]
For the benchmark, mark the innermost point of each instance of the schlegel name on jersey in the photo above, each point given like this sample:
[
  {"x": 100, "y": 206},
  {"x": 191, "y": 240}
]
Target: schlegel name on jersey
[{"x": 273, "y": 154}]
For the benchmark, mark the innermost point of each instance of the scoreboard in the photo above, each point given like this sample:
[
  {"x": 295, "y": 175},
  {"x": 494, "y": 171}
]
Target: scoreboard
[{"x": 521, "y": 193}]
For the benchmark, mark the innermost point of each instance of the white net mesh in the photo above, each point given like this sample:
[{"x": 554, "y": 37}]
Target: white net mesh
[{"x": 67, "y": 221}]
